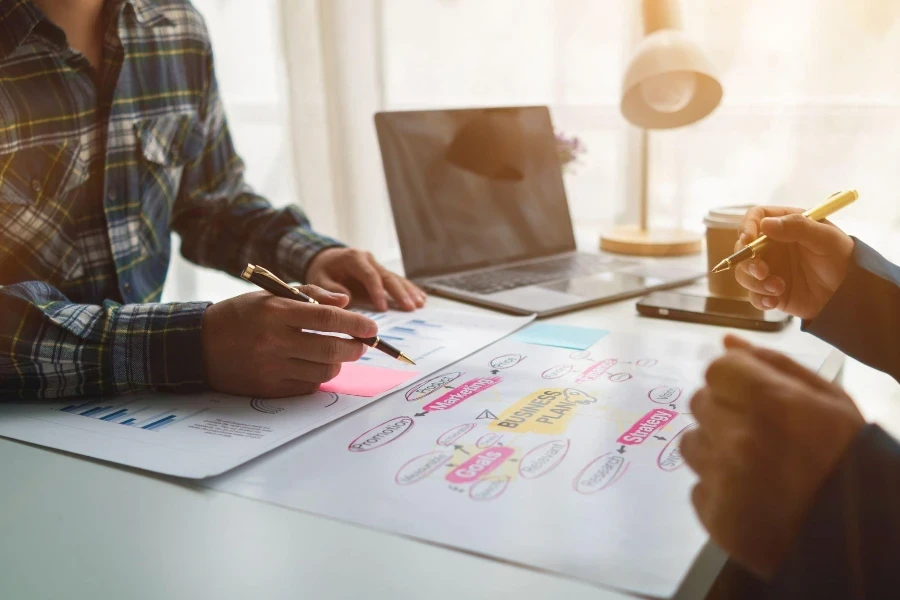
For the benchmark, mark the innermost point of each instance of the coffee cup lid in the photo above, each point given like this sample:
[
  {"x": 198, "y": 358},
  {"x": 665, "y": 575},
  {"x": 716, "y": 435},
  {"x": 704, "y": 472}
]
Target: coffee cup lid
[{"x": 726, "y": 216}]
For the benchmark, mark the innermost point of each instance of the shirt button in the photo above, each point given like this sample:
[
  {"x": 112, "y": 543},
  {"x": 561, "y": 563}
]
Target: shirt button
[
  {"x": 36, "y": 186},
  {"x": 111, "y": 196},
  {"x": 127, "y": 287}
]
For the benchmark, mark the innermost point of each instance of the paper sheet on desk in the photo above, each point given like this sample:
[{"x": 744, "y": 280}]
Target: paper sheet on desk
[
  {"x": 206, "y": 434},
  {"x": 566, "y": 461}
]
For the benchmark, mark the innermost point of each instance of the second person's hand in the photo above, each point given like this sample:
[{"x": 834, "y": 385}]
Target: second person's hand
[{"x": 803, "y": 265}]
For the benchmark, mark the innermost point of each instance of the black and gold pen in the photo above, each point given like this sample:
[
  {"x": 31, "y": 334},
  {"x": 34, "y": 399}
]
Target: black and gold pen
[{"x": 275, "y": 286}]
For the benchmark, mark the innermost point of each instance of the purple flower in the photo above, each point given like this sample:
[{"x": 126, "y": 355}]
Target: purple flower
[{"x": 568, "y": 149}]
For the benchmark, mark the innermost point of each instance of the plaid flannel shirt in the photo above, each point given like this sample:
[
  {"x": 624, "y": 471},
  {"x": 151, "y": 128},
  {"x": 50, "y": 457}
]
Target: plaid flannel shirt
[{"x": 97, "y": 166}]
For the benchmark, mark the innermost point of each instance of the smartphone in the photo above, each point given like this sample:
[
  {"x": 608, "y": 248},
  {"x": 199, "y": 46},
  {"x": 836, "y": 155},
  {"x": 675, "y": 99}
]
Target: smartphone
[{"x": 726, "y": 312}]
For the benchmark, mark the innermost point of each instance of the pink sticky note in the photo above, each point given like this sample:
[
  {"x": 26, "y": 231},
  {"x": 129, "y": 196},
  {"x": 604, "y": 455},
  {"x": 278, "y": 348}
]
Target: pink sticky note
[{"x": 362, "y": 380}]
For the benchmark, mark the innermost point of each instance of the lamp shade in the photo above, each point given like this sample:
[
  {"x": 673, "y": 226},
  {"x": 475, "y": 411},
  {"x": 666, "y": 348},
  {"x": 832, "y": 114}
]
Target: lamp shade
[{"x": 669, "y": 82}]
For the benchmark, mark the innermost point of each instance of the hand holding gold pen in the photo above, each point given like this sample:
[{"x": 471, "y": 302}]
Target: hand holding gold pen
[
  {"x": 831, "y": 205},
  {"x": 269, "y": 282}
]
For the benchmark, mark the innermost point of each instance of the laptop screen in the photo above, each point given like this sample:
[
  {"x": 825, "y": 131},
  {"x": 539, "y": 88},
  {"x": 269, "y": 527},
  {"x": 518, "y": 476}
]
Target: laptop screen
[{"x": 473, "y": 188}]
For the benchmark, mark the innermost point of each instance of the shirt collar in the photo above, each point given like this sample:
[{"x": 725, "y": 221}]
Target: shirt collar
[
  {"x": 147, "y": 13},
  {"x": 18, "y": 18}
]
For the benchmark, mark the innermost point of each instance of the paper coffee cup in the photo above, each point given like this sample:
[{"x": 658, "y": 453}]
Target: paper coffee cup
[{"x": 721, "y": 236}]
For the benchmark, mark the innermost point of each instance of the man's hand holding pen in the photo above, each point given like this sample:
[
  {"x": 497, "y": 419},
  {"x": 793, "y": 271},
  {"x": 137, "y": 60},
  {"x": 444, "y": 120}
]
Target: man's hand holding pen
[{"x": 254, "y": 344}]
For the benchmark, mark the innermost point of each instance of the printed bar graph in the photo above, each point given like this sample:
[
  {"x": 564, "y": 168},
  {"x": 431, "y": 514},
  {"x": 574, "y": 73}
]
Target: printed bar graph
[
  {"x": 114, "y": 415},
  {"x": 159, "y": 423},
  {"x": 132, "y": 413}
]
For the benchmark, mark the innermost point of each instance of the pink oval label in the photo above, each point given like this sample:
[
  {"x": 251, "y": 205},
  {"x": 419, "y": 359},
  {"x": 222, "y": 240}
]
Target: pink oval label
[
  {"x": 421, "y": 467},
  {"x": 382, "y": 434},
  {"x": 462, "y": 393},
  {"x": 488, "y": 489},
  {"x": 480, "y": 465},
  {"x": 557, "y": 371},
  {"x": 488, "y": 440},
  {"x": 543, "y": 459},
  {"x": 506, "y": 361},
  {"x": 429, "y": 386},
  {"x": 593, "y": 372},
  {"x": 600, "y": 473},
  {"x": 448, "y": 438},
  {"x": 619, "y": 377},
  {"x": 670, "y": 457},
  {"x": 649, "y": 424},
  {"x": 664, "y": 394}
]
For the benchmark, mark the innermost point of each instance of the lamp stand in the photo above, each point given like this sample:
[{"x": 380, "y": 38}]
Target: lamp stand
[{"x": 640, "y": 240}]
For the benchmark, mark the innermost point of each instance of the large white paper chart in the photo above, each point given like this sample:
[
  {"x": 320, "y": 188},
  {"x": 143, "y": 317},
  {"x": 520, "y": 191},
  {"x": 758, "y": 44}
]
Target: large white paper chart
[
  {"x": 206, "y": 434},
  {"x": 566, "y": 461}
]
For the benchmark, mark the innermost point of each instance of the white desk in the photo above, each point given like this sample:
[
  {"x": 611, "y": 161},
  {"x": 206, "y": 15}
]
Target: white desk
[{"x": 78, "y": 529}]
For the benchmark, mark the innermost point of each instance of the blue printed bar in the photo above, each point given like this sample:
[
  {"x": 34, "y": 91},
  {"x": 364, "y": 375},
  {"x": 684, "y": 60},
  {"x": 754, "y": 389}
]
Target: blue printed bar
[
  {"x": 403, "y": 329},
  {"x": 112, "y": 416},
  {"x": 94, "y": 411},
  {"x": 69, "y": 408},
  {"x": 159, "y": 423},
  {"x": 128, "y": 421}
]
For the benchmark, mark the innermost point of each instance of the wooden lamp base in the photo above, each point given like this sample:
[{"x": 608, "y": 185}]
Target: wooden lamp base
[{"x": 633, "y": 240}]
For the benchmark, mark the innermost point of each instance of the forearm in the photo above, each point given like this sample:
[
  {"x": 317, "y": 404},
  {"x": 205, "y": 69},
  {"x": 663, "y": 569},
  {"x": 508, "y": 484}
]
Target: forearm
[
  {"x": 222, "y": 223},
  {"x": 51, "y": 348},
  {"x": 851, "y": 539},
  {"x": 862, "y": 318}
]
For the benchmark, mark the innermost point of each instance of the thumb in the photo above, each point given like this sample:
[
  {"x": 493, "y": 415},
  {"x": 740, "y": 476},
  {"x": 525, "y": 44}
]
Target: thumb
[
  {"x": 324, "y": 296},
  {"x": 820, "y": 238}
]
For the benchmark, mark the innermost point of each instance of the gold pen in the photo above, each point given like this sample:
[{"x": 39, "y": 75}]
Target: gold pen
[
  {"x": 272, "y": 284},
  {"x": 832, "y": 204}
]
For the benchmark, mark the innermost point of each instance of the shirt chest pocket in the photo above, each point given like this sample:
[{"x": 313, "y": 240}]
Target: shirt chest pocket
[
  {"x": 167, "y": 145},
  {"x": 39, "y": 212}
]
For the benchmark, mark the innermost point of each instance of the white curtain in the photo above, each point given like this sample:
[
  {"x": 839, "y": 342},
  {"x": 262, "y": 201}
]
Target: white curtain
[{"x": 811, "y": 104}]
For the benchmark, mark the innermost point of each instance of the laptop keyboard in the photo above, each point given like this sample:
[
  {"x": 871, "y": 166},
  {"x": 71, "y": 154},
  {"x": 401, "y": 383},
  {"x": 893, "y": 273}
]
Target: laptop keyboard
[{"x": 564, "y": 267}]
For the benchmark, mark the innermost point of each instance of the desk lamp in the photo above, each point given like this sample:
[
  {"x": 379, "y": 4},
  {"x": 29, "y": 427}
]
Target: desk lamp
[{"x": 668, "y": 83}]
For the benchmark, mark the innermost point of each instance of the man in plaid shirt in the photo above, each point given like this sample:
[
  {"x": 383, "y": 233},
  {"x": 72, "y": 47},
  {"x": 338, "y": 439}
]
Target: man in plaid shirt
[{"x": 112, "y": 134}]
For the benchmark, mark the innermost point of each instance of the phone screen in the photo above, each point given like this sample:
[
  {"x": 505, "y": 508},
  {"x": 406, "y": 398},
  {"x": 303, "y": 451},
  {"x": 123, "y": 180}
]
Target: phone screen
[{"x": 726, "y": 307}]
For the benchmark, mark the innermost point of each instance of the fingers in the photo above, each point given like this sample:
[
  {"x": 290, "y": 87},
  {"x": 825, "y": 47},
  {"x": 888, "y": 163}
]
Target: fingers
[
  {"x": 782, "y": 362},
  {"x": 324, "y": 296},
  {"x": 768, "y": 285},
  {"x": 325, "y": 349},
  {"x": 318, "y": 317},
  {"x": 363, "y": 269},
  {"x": 749, "y": 230},
  {"x": 399, "y": 292},
  {"x": 415, "y": 292},
  {"x": 697, "y": 449},
  {"x": 333, "y": 286},
  {"x": 765, "y": 302},
  {"x": 741, "y": 380},
  {"x": 818, "y": 238}
]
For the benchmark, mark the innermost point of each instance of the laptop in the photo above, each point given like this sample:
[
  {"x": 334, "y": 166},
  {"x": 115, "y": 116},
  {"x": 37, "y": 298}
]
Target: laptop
[{"x": 481, "y": 214}]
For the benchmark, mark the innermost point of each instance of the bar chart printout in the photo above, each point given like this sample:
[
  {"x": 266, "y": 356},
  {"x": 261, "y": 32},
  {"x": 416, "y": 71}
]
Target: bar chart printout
[{"x": 132, "y": 414}]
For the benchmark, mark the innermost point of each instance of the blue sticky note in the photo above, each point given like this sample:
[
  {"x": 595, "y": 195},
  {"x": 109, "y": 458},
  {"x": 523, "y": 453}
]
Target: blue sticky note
[{"x": 560, "y": 336}]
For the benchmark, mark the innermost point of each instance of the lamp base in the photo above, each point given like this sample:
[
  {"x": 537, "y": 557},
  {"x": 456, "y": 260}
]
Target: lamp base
[{"x": 632, "y": 240}]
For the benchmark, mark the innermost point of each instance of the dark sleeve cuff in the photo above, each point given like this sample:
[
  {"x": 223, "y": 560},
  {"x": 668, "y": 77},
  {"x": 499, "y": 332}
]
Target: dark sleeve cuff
[
  {"x": 862, "y": 318},
  {"x": 849, "y": 544},
  {"x": 158, "y": 346},
  {"x": 297, "y": 249}
]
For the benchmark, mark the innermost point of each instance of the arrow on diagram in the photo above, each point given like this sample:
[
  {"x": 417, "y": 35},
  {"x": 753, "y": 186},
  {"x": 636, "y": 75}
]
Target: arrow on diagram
[
  {"x": 486, "y": 414},
  {"x": 659, "y": 437},
  {"x": 672, "y": 406},
  {"x": 621, "y": 450},
  {"x": 421, "y": 414},
  {"x": 460, "y": 448}
]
